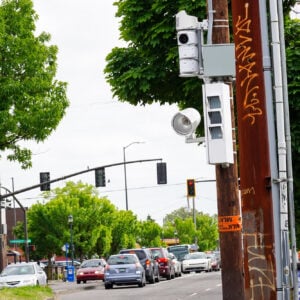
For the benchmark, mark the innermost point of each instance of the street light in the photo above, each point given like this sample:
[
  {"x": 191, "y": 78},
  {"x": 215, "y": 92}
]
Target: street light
[
  {"x": 70, "y": 221},
  {"x": 125, "y": 176}
]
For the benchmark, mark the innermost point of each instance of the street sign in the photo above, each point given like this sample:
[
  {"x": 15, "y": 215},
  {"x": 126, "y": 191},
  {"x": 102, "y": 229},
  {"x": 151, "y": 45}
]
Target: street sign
[
  {"x": 19, "y": 241},
  {"x": 65, "y": 247}
]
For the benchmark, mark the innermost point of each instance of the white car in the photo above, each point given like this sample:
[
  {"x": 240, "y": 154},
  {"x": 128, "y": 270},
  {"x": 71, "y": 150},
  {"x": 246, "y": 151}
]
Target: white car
[
  {"x": 22, "y": 274},
  {"x": 176, "y": 263},
  {"x": 196, "y": 262}
]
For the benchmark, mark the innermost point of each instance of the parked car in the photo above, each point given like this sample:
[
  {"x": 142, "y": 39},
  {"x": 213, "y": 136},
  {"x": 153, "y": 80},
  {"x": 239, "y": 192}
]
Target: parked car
[
  {"x": 64, "y": 263},
  {"x": 165, "y": 265},
  {"x": 124, "y": 269},
  {"x": 22, "y": 274},
  {"x": 91, "y": 269},
  {"x": 215, "y": 265},
  {"x": 218, "y": 255},
  {"x": 176, "y": 263},
  {"x": 197, "y": 262},
  {"x": 147, "y": 261}
]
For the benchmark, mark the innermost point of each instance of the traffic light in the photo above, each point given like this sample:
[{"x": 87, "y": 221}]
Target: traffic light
[
  {"x": 100, "y": 177},
  {"x": 191, "y": 189},
  {"x": 188, "y": 44},
  {"x": 217, "y": 121},
  {"x": 45, "y": 177},
  {"x": 161, "y": 173}
]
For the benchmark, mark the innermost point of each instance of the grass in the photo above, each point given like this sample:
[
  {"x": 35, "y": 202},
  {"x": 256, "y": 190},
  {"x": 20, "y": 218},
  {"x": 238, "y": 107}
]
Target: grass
[{"x": 27, "y": 293}]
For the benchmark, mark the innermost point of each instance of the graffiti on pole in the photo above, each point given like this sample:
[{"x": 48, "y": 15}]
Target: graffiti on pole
[{"x": 246, "y": 55}]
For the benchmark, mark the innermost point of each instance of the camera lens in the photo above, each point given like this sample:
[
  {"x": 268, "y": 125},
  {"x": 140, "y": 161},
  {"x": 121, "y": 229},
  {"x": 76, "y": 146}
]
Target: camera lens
[{"x": 183, "y": 38}]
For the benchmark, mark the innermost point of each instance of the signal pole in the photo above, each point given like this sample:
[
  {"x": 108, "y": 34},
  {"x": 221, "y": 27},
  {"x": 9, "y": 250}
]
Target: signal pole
[{"x": 227, "y": 187}]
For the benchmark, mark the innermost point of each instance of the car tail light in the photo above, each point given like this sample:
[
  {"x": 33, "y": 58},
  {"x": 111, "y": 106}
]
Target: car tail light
[{"x": 163, "y": 260}]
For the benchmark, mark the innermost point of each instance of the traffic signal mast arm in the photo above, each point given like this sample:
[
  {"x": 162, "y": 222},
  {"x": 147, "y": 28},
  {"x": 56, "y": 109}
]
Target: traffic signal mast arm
[{"x": 75, "y": 174}]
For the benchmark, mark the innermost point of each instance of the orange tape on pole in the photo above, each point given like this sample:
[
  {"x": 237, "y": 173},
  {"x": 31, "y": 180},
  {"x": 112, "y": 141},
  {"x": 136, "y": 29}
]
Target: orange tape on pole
[{"x": 229, "y": 223}]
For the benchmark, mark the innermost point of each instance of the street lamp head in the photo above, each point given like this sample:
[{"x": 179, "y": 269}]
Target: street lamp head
[
  {"x": 137, "y": 142},
  {"x": 70, "y": 219}
]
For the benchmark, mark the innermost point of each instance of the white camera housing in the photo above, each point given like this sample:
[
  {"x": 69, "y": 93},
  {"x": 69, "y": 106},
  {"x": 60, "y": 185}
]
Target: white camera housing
[
  {"x": 188, "y": 44},
  {"x": 185, "y": 21},
  {"x": 186, "y": 121}
]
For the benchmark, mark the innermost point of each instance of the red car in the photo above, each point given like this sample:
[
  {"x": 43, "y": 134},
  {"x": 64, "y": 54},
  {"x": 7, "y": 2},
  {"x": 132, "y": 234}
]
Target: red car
[
  {"x": 91, "y": 269},
  {"x": 165, "y": 264}
]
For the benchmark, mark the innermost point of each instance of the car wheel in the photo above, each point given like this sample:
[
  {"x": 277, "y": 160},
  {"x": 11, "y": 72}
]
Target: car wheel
[
  {"x": 78, "y": 281},
  {"x": 173, "y": 274},
  {"x": 143, "y": 282},
  {"x": 151, "y": 278},
  {"x": 168, "y": 277},
  {"x": 108, "y": 286}
]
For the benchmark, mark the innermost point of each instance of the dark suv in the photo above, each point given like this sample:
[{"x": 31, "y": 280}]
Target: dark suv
[
  {"x": 165, "y": 264},
  {"x": 148, "y": 262}
]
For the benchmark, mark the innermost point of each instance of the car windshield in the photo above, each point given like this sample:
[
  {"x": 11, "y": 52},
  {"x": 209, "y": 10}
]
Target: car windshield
[
  {"x": 140, "y": 254},
  {"x": 157, "y": 253},
  {"x": 91, "y": 264},
  {"x": 195, "y": 255},
  {"x": 18, "y": 270},
  {"x": 211, "y": 256},
  {"x": 122, "y": 259}
]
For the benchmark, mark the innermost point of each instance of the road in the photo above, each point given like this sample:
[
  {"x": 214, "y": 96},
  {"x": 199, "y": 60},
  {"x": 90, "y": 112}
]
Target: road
[{"x": 204, "y": 286}]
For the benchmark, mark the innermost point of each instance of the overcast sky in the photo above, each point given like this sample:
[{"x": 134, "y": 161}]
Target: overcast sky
[{"x": 97, "y": 127}]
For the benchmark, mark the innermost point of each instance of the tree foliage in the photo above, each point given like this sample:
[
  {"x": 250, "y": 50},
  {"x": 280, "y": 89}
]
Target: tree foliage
[
  {"x": 180, "y": 224},
  {"x": 32, "y": 101},
  {"x": 292, "y": 39},
  {"x": 150, "y": 234},
  {"x": 146, "y": 71},
  {"x": 124, "y": 231},
  {"x": 92, "y": 221}
]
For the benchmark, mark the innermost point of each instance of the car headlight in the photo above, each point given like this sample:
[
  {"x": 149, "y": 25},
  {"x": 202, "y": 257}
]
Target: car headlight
[{"x": 138, "y": 272}]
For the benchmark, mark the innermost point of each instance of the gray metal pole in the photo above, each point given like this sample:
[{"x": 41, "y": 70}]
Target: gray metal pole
[
  {"x": 125, "y": 174},
  {"x": 125, "y": 178},
  {"x": 277, "y": 43},
  {"x": 288, "y": 152}
]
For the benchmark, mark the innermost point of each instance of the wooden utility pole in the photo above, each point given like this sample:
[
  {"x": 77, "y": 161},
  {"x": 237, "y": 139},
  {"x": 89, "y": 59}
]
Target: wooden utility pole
[
  {"x": 228, "y": 189},
  {"x": 254, "y": 153}
]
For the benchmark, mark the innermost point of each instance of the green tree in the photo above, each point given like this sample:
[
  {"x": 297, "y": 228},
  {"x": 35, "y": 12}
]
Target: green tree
[
  {"x": 146, "y": 71},
  {"x": 32, "y": 101},
  {"x": 181, "y": 213},
  {"x": 292, "y": 39},
  {"x": 207, "y": 232},
  {"x": 180, "y": 224},
  {"x": 185, "y": 230},
  {"x": 150, "y": 233},
  {"x": 48, "y": 226},
  {"x": 125, "y": 230}
]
